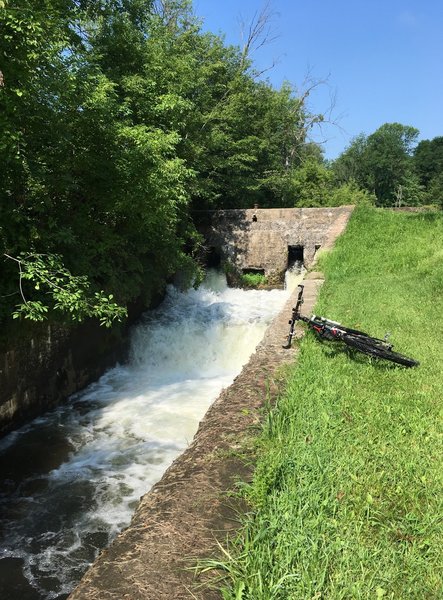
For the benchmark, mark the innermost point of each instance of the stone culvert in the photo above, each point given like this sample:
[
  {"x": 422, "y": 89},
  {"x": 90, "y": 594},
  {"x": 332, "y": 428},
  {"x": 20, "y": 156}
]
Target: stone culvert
[{"x": 267, "y": 240}]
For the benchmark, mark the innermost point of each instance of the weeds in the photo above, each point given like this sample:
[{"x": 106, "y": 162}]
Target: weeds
[{"x": 253, "y": 280}]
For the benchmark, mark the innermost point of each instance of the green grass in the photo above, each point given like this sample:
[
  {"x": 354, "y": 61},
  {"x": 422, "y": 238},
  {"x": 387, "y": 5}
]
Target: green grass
[
  {"x": 253, "y": 280},
  {"x": 347, "y": 498}
]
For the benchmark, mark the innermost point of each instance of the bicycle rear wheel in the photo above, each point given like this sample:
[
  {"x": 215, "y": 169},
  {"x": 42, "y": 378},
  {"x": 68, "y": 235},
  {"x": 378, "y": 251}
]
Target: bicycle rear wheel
[{"x": 372, "y": 348}]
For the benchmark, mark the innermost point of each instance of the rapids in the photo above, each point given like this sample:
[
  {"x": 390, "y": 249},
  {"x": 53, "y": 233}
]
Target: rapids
[{"x": 70, "y": 480}]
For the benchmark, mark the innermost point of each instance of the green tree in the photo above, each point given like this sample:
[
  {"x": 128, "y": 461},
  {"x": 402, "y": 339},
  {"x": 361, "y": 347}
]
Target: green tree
[
  {"x": 389, "y": 161},
  {"x": 350, "y": 165},
  {"x": 312, "y": 184},
  {"x": 38, "y": 62},
  {"x": 434, "y": 191},
  {"x": 428, "y": 164},
  {"x": 382, "y": 163},
  {"x": 350, "y": 193},
  {"x": 428, "y": 159},
  {"x": 85, "y": 179}
]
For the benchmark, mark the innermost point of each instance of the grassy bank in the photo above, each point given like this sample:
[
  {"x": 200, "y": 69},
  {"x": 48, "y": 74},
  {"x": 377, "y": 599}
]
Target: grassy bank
[{"x": 347, "y": 498}]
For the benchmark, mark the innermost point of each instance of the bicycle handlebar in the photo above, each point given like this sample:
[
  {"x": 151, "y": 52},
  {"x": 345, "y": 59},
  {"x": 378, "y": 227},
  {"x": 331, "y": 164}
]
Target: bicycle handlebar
[{"x": 296, "y": 316}]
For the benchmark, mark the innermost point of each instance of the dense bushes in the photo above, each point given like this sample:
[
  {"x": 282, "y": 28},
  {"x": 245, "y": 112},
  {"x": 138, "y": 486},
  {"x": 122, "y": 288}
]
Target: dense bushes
[{"x": 118, "y": 120}]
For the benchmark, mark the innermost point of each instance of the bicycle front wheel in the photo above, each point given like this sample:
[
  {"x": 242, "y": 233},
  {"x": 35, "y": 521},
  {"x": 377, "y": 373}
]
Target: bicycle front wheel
[{"x": 377, "y": 350}]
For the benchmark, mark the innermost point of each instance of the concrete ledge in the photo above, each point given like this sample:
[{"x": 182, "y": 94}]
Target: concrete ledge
[{"x": 314, "y": 275}]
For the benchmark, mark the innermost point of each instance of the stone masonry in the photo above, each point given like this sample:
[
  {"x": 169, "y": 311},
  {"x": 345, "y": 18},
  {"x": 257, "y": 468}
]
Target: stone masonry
[{"x": 262, "y": 239}]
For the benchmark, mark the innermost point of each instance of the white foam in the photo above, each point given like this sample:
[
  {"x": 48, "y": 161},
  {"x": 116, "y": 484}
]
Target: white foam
[
  {"x": 127, "y": 428},
  {"x": 294, "y": 275}
]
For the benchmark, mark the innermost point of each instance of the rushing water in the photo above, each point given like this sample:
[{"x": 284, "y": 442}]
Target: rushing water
[{"x": 71, "y": 479}]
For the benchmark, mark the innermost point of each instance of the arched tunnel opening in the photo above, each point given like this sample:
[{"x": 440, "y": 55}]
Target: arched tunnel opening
[
  {"x": 212, "y": 257},
  {"x": 295, "y": 255}
]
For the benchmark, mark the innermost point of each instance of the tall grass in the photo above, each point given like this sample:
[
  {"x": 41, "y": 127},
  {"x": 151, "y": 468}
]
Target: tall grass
[{"x": 347, "y": 498}]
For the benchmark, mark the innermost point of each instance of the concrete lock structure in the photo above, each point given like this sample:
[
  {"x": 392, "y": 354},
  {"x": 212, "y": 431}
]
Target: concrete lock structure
[{"x": 268, "y": 241}]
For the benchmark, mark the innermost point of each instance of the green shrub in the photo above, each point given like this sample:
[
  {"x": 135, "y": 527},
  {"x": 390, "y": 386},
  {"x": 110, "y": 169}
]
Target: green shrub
[
  {"x": 253, "y": 280},
  {"x": 350, "y": 193}
]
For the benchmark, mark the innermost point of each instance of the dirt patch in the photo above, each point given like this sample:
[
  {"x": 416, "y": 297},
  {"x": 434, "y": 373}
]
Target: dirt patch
[{"x": 184, "y": 515}]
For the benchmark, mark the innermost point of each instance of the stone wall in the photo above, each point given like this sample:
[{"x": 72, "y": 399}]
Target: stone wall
[
  {"x": 41, "y": 365},
  {"x": 259, "y": 239}
]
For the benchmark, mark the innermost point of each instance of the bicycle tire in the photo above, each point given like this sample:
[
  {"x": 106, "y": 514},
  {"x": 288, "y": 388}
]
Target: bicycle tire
[{"x": 378, "y": 351}]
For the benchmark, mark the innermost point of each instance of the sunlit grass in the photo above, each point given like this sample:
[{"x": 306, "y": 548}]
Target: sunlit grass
[
  {"x": 253, "y": 280},
  {"x": 347, "y": 498}
]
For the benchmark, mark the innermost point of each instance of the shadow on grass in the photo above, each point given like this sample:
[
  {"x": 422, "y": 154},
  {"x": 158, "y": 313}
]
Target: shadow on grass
[{"x": 334, "y": 349}]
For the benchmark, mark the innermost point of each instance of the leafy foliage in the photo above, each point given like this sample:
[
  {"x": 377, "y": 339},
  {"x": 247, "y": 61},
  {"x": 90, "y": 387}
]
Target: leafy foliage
[
  {"x": 69, "y": 293},
  {"x": 428, "y": 163},
  {"x": 382, "y": 163},
  {"x": 312, "y": 184},
  {"x": 351, "y": 193},
  {"x": 118, "y": 120}
]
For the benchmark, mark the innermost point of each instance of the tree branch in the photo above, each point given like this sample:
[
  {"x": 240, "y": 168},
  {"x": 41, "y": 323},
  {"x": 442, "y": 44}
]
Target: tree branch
[
  {"x": 20, "y": 276},
  {"x": 259, "y": 32}
]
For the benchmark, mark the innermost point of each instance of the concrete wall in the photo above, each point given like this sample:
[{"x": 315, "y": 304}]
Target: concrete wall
[
  {"x": 259, "y": 238},
  {"x": 41, "y": 365}
]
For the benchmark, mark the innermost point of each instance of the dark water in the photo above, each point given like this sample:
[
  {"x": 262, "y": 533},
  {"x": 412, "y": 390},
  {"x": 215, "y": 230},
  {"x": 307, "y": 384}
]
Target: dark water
[{"x": 38, "y": 513}]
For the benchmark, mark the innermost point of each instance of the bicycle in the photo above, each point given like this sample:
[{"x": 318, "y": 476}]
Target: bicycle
[{"x": 359, "y": 340}]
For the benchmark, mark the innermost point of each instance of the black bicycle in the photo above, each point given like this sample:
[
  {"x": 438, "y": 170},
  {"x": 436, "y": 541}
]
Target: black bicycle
[{"x": 330, "y": 330}]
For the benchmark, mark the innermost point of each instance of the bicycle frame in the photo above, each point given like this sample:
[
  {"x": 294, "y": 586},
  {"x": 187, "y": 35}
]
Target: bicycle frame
[
  {"x": 354, "y": 339},
  {"x": 296, "y": 316},
  {"x": 324, "y": 328}
]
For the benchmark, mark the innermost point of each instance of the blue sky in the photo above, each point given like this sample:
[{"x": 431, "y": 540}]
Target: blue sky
[{"x": 383, "y": 59}]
